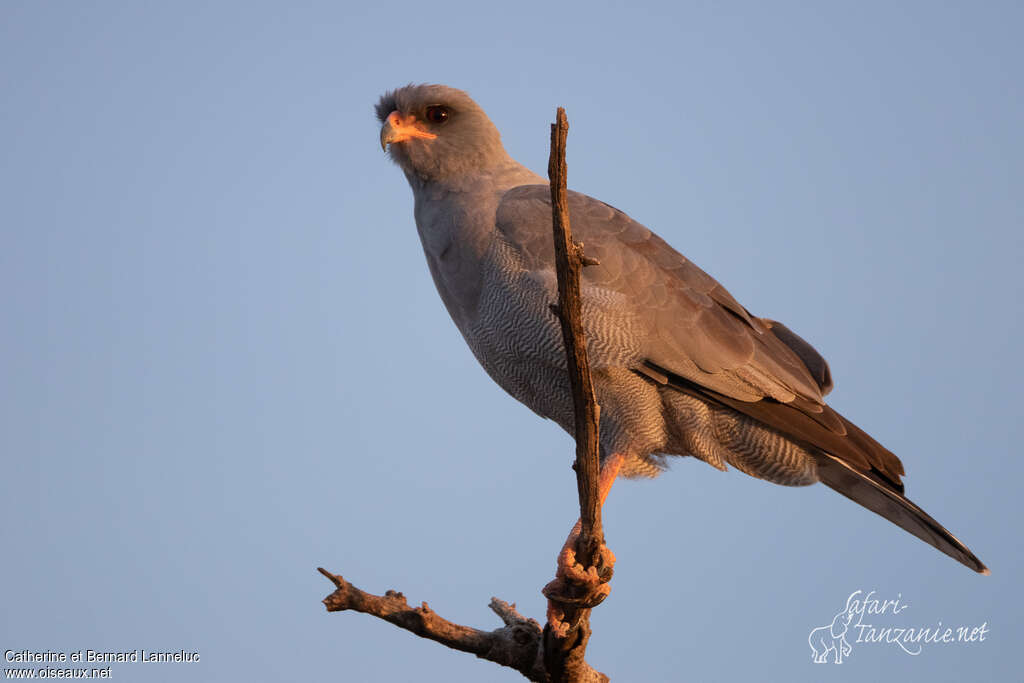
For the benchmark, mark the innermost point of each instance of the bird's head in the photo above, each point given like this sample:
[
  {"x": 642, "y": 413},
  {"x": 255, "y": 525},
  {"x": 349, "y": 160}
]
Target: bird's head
[{"x": 436, "y": 132}]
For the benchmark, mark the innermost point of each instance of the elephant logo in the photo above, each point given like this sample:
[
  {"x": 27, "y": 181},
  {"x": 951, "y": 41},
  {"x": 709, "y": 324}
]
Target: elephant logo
[{"x": 832, "y": 638}]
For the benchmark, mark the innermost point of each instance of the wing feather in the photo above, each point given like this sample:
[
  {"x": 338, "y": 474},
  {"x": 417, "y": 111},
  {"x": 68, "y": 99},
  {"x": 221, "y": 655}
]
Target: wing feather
[{"x": 694, "y": 327}]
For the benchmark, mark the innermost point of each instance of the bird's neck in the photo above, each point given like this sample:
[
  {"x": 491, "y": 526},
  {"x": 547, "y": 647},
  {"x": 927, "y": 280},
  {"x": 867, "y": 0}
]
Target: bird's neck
[
  {"x": 456, "y": 224},
  {"x": 456, "y": 217},
  {"x": 501, "y": 176}
]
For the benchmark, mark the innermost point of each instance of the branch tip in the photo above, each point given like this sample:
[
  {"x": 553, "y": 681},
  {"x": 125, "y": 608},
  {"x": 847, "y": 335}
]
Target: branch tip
[{"x": 336, "y": 580}]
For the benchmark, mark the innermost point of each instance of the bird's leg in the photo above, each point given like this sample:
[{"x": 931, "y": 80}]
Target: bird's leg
[
  {"x": 593, "y": 582},
  {"x": 567, "y": 565}
]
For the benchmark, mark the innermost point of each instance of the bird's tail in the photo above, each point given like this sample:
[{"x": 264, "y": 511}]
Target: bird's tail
[{"x": 876, "y": 496}]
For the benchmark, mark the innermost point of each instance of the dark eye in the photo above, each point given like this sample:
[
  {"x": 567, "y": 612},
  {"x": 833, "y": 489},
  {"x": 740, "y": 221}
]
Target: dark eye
[{"x": 437, "y": 114}]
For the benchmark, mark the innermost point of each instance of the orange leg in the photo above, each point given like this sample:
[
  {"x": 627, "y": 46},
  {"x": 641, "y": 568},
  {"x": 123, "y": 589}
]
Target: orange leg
[{"x": 568, "y": 567}]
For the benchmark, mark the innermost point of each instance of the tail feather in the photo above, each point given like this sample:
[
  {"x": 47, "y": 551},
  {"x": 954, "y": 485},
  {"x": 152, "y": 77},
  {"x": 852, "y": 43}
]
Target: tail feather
[
  {"x": 895, "y": 507},
  {"x": 862, "y": 469}
]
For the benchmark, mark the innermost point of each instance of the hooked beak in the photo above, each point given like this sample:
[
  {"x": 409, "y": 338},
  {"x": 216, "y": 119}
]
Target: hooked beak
[{"x": 397, "y": 128}]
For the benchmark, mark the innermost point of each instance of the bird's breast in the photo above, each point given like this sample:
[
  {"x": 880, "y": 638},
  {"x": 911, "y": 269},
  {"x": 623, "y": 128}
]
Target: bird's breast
[{"x": 501, "y": 299}]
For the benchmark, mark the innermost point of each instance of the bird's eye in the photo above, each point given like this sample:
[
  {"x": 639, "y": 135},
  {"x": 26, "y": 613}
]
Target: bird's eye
[{"x": 437, "y": 114}]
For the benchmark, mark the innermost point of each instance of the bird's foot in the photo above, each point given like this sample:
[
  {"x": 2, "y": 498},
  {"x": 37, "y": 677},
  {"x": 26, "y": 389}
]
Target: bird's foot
[
  {"x": 599, "y": 574},
  {"x": 576, "y": 586}
]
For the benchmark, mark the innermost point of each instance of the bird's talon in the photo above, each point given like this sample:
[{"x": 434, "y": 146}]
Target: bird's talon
[
  {"x": 567, "y": 592},
  {"x": 556, "y": 621},
  {"x": 571, "y": 570},
  {"x": 600, "y": 572}
]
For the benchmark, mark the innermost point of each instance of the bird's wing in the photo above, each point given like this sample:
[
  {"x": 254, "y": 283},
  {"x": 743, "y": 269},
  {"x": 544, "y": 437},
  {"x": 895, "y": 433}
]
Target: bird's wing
[
  {"x": 694, "y": 327},
  {"x": 695, "y": 334}
]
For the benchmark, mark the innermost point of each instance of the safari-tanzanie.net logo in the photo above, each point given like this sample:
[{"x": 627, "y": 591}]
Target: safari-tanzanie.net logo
[{"x": 868, "y": 619}]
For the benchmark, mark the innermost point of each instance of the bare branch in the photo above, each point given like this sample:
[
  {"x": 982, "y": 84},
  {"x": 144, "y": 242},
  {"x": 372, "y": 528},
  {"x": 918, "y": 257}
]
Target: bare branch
[
  {"x": 564, "y": 651},
  {"x": 517, "y": 644},
  {"x": 569, "y": 263}
]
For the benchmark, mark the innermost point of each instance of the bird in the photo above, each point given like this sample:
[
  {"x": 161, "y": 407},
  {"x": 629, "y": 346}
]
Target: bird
[{"x": 679, "y": 366}]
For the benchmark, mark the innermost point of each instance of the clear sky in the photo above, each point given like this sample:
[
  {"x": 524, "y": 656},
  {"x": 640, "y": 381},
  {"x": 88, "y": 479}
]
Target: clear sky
[{"x": 224, "y": 363}]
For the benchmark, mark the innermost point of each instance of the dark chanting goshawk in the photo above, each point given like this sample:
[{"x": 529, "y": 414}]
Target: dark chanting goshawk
[{"x": 679, "y": 366}]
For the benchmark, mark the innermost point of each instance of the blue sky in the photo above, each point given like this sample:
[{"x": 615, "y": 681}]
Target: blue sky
[{"x": 224, "y": 362}]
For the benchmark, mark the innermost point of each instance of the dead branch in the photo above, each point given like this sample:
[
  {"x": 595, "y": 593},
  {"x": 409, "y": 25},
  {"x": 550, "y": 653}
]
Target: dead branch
[
  {"x": 517, "y": 644},
  {"x": 569, "y": 262}
]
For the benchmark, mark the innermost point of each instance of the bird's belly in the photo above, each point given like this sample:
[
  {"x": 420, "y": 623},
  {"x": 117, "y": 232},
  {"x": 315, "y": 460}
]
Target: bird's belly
[{"x": 517, "y": 340}]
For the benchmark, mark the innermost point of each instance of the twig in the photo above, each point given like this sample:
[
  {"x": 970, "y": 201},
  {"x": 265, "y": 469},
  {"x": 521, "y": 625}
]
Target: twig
[{"x": 517, "y": 644}]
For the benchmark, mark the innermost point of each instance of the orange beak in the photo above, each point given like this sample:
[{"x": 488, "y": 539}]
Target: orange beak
[{"x": 397, "y": 128}]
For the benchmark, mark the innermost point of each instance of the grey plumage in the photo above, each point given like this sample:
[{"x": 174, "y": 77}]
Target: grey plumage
[{"x": 680, "y": 367}]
